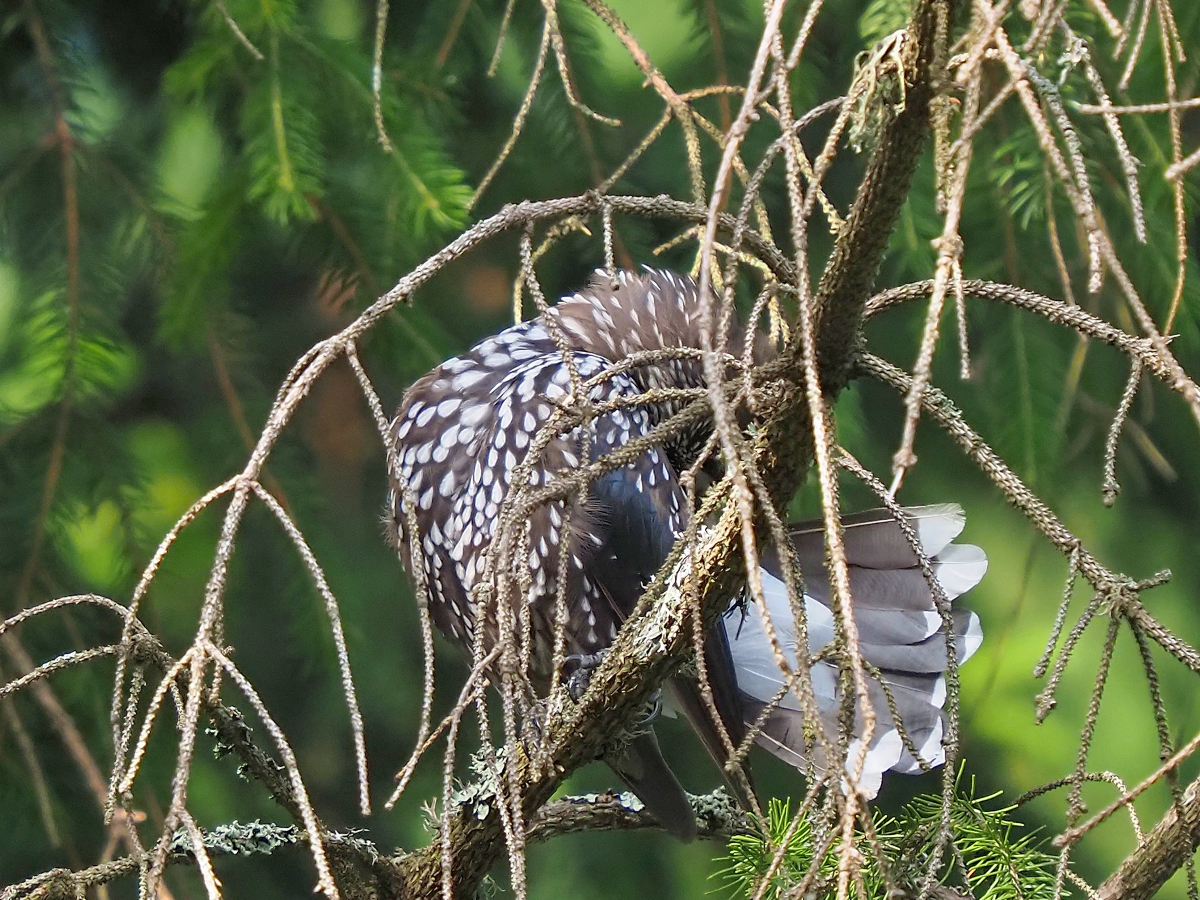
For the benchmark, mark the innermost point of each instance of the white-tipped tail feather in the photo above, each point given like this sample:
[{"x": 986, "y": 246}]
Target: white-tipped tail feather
[{"x": 901, "y": 634}]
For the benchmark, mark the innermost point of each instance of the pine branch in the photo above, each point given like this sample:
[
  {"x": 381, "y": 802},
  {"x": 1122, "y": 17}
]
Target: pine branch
[{"x": 652, "y": 646}]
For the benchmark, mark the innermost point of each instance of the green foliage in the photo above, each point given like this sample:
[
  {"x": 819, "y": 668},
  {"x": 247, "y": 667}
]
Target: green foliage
[
  {"x": 997, "y": 859},
  {"x": 1021, "y": 371},
  {"x": 881, "y": 18},
  {"x": 39, "y": 348},
  {"x": 1017, "y": 173},
  {"x": 232, "y": 210},
  {"x": 282, "y": 150},
  {"x": 751, "y": 857},
  {"x": 733, "y": 25},
  {"x": 196, "y": 288},
  {"x": 1000, "y": 860}
]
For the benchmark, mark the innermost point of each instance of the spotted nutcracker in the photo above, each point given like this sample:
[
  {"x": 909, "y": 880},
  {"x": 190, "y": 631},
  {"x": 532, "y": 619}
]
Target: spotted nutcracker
[{"x": 463, "y": 431}]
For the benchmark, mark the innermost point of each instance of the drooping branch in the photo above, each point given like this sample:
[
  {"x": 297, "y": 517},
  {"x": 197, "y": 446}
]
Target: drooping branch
[
  {"x": 1140, "y": 350},
  {"x": 203, "y": 651},
  {"x": 655, "y": 643}
]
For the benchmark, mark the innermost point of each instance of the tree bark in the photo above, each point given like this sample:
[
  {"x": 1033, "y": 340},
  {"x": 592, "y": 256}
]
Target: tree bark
[
  {"x": 652, "y": 646},
  {"x": 1165, "y": 849}
]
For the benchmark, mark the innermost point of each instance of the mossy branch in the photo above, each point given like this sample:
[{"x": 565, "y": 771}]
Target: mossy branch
[{"x": 652, "y": 646}]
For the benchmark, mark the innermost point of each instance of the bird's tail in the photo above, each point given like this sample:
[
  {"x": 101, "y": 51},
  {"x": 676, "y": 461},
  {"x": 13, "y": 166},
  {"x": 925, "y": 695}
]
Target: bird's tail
[{"x": 902, "y": 638}]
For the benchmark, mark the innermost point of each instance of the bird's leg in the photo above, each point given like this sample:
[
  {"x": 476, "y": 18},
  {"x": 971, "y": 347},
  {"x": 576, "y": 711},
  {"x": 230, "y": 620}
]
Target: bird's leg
[{"x": 579, "y": 668}]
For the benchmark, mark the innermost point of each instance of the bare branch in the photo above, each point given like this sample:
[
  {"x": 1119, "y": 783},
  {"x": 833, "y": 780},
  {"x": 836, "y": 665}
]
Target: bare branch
[
  {"x": 1159, "y": 856},
  {"x": 622, "y": 684}
]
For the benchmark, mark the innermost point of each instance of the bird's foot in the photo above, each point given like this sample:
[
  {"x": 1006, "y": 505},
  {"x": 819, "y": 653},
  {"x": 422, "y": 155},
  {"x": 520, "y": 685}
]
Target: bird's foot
[
  {"x": 578, "y": 667},
  {"x": 653, "y": 709}
]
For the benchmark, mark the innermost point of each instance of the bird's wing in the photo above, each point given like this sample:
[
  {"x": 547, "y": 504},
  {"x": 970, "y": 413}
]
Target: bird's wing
[
  {"x": 640, "y": 508},
  {"x": 688, "y": 696}
]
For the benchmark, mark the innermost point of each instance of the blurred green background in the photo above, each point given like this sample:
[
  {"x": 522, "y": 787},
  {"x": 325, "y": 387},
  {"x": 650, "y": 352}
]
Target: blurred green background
[{"x": 214, "y": 214}]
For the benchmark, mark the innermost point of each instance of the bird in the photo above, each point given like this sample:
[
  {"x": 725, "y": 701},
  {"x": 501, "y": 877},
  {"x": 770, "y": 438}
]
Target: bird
[
  {"x": 462, "y": 438},
  {"x": 901, "y": 635}
]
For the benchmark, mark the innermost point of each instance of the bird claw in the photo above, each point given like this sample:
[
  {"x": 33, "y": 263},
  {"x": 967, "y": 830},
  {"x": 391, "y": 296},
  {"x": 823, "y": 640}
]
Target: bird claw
[
  {"x": 653, "y": 709},
  {"x": 533, "y": 727},
  {"x": 578, "y": 669}
]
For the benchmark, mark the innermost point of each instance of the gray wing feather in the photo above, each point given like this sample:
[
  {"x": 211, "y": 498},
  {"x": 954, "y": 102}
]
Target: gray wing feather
[
  {"x": 928, "y": 655},
  {"x": 891, "y": 589},
  {"x": 642, "y": 767},
  {"x": 901, "y": 634},
  {"x": 874, "y": 540}
]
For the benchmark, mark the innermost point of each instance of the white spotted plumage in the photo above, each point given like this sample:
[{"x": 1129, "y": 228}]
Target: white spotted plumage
[{"x": 466, "y": 428}]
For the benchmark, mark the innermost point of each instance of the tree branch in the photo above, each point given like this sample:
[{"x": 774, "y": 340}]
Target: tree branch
[
  {"x": 717, "y": 815},
  {"x": 1165, "y": 849},
  {"x": 851, "y": 270},
  {"x": 653, "y": 644},
  {"x": 1141, "y": 350}
]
